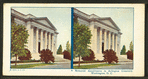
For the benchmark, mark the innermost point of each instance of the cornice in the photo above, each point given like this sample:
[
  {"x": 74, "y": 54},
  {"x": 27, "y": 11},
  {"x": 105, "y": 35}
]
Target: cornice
[
  {"x": 31, "y": 19},
  {"x": 48, "y": 21},
  {"x": 95, "y": 20}
]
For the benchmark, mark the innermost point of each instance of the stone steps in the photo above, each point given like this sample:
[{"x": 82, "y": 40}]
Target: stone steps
[
  {"x": 59, "y": 58},
  {"x": 121, "y": 58}
]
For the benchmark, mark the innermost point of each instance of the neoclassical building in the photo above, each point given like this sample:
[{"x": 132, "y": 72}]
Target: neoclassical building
[
  {"x": 105, "y": 33},
  {"x": 42, "y": 33}
]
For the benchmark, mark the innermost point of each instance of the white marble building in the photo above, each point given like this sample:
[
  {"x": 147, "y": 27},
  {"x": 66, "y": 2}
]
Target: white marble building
[
  {"x": 42, "y": 33},
  {"x": 105, "y": 33}
]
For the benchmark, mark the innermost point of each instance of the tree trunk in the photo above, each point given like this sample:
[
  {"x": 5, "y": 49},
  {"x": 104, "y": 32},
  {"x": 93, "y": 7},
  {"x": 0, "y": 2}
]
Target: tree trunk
[
  {"x": 16, "y": 60},
  {"x": 79, "y": 62}
]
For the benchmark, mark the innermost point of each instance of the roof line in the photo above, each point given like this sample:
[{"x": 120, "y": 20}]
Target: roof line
[
  {"x": 18, "y": 12},
  {"x": 81, "y": 12},
  {"x": 29, "y": 19},
  {"x": 98, "y": 18},
  {"x": 36, "y": 18},
  {"x": 48, "y": 21},
  {"x": 92, "y": 19}
]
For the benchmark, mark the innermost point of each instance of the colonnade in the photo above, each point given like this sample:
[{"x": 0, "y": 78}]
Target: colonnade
[
  {"x": 103, "y": 39},
  {"x": 41, "y": 39}
]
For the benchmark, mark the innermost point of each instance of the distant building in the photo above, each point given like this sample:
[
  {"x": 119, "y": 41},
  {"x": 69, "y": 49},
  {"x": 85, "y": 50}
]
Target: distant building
[
  {"x": 105, "y": 33},
  {"x": 42, "y": 33}
]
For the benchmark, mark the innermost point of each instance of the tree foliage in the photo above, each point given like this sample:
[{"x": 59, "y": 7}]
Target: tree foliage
[
  {"x": 123, "y": 51},
  {"x": 27, "y": 57},
  {"x": 130, "y": 55},
  {"x": 59, "y": 51},
  {"x": 82, "y": 36},
  {"x": 131, "y": 46},
  {"x": 67, "y": 55},
  {"x": 68, "y": 48},
  {"x": 47, "y": 56},
  {"x": 91, "y": 56},
  {"x": 110, "y": 56},
  {"x": 19, "y": 36}
]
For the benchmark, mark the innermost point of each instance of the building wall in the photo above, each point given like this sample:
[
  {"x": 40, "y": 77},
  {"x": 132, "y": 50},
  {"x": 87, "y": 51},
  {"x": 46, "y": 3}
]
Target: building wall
[
  {"x": 36, "y": 30},
  {"x": 103, "y": 31}
]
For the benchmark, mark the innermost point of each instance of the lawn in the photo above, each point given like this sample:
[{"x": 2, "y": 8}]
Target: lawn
[
  {"x": 31, "y": 65},
  {"x": 92, "y": 66}
]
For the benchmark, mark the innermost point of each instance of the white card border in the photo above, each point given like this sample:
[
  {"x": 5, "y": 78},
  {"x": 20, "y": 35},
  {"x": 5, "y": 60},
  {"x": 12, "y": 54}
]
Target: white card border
[{"x": 139, "y": 19}]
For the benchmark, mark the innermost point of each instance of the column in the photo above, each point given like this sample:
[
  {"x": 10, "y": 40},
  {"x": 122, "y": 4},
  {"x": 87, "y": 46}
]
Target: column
[
  {"x": 109, "y": 36},
  {"x": 37, "y": 33},
  {"x": 113, "y": 41},
  {"x": 41, "y": 43},
  {"x": 95, "y": 40},
  {"x": 105, "y": 44},
  {"x": 31, "y": 39},
  {"x": 45, "y": 40},
  {"x": 100, "y": 39},
  {"x": 116, "y": 43},
  {"x": 49, "y": 44},
  {"x": 55, "y": 44},
  {"x": 92, "y": 37},
  {"x": 52, "y": 43},
  {"x": 119, "y": 44},
  {"x": 119, "y": 37},
  {"x": 98, "y": 42},
  {"x": 29, "y": 29}
]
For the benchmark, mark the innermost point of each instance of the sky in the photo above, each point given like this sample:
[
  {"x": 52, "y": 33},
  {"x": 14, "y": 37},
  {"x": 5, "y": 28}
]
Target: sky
[
  {"x": 59, "y": 17},
  {"x": 123, "y": 17}
]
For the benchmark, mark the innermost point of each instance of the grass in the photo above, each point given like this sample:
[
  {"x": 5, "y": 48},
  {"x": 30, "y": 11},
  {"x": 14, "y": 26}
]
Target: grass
[
  {"x": 31, "y": 65},
  {"x": 92, "y": 66},
  {"x": 26, "y": 61}
]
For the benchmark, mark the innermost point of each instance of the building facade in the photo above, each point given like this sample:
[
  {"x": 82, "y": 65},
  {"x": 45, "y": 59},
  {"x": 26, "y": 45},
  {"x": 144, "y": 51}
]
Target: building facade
[
  {"x": 42, "y": 33},
  {"x": 105, "y": 33}
]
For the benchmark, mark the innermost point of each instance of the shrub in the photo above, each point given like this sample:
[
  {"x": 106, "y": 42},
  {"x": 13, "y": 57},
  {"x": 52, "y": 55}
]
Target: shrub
[
  {"x": 91, "y": 56},
  {"x": 46, "y": 56},
  {"x": 27, "y": 57},
  {"x": 130, "y": 55},
  {"x": 110, "y": 56},
  {"x": 67, "y": 55}
]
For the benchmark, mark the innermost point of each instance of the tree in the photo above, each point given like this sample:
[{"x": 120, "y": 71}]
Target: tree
[
  {"x": 46, "y": 56},
  {"x": 130, "y": 55},
  {"x": 67, "y": 55},
  {"x": 59, "y": 50},
  {"x": 91, "y": 56},
  {"x": 19, "y": 36},
  {"x": 131, "y": 46},
  {"x": 110, "y": 56},
  {"x": 82, "y": 36},
  {"x": 123, "y": 51},
  {"x": 27, "y": 57},
  {"x": 68, "y": 48}
]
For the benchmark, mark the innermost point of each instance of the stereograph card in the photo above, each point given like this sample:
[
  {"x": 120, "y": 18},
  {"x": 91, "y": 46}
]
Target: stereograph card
[{"x": 73, "y": 39}]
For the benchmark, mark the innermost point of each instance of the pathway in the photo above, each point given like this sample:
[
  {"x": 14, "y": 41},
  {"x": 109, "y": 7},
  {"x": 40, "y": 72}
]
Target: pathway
[
  {"x": 58, "y": 65},
  {"x": 123, "y": 65}
]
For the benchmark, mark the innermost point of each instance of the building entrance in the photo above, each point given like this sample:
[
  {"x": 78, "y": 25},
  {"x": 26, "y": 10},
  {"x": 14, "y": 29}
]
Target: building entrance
[
  {"x": 102, "y": 47},
  {"x": 39, "y": 47}
]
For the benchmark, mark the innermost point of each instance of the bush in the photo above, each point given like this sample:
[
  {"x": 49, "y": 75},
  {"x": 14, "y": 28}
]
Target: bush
[
  {"x": 67, "y": 55},
  {"x": 110, "y": 56},
  {"x": 91, "y": 56},
  {"x": 27, "y": 57},
  {"x": 130, "y": 55},
  {"x": 46, "y": 56}
]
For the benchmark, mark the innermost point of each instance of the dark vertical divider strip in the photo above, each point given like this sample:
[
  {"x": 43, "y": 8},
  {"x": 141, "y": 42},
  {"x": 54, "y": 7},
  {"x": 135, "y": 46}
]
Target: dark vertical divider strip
[{"x": 72, "y": 37}]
